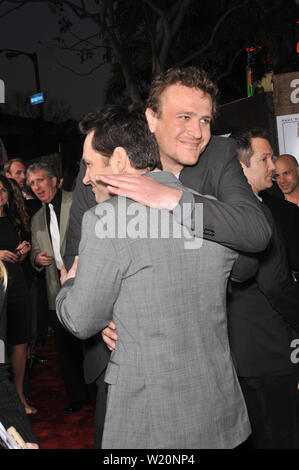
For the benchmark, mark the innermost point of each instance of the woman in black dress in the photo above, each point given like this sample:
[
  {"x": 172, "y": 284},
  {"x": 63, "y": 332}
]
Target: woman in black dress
[
  {"x": 12, "y": 411},
  {"x": 13, "y": 250}
]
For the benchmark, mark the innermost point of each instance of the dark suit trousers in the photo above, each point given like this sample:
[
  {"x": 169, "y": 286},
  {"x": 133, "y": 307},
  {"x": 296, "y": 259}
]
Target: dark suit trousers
[
  {"x": 70, "y": 357},
  {"x": 101, "y": 402},
  {"x": 272, "y": 404}
]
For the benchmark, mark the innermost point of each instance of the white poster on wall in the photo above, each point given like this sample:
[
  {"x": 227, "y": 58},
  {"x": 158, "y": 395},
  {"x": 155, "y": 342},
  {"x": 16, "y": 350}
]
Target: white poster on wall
[{"x": 288, "y": 134}]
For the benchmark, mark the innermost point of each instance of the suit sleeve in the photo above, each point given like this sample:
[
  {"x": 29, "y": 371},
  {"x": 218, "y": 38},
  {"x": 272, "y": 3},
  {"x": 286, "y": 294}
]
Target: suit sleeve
[
  {"x": 35, "y": 248},
  {"x": 83, "y": 199},
  {"x": 275, "y": 282},
  {"x": 244, "y": 268},
  {"x": 85, "y": 305},
  {"x": 235, "y": 219}
]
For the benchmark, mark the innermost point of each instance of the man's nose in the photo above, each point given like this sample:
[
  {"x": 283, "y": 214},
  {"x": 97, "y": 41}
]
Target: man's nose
[
  {"x": 271, "y": 166},
  {"x": 195, "y": 129},
  {"x": 86, "y": 178}
]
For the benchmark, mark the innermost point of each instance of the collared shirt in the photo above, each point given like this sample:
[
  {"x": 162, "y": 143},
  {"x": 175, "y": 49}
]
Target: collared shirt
[{"x": 56, "y": 202}]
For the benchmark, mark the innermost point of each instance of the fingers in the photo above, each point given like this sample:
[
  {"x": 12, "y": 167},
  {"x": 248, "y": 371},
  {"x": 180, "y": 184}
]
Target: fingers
[
  {"x": 44, "y": 259},
  {"x": 112, "y": 325},
  {"x": 75, "y": 263},
  {"x": 109, "y": 336},
  {"x": 109, "y": 342},
  {"x": 9, "y": 256},
  {"x": 31, "y": 445},
  {"x": 125, "y": 183}
]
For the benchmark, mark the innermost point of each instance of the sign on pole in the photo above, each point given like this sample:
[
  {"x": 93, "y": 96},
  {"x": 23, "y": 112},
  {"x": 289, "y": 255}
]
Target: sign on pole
[{"x": 37, "y": 98}]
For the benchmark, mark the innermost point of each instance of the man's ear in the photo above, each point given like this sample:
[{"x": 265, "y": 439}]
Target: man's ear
[
  {"x": 119, "y": 161},
  {"x": 7, "y": 174},
  {"x": 151, "y": 117}
]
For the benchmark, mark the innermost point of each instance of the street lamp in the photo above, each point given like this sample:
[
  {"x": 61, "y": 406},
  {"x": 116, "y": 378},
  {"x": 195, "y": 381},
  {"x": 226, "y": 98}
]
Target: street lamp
[{"x": 12, "y": 53}]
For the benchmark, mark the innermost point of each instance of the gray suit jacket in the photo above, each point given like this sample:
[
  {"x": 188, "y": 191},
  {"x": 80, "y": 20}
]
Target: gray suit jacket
[
  {"x": 41, "y": 241},
  {"x": 171, "y": 380}
]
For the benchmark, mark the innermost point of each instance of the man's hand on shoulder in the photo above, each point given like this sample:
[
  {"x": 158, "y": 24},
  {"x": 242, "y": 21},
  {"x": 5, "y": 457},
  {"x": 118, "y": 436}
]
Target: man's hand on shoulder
[
  {"x": 142, "y": 189},
  {"x": 109, "y": 336}
]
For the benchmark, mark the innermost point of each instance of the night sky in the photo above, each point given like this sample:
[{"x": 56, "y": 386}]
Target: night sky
[{"x": 31, "y": 29}]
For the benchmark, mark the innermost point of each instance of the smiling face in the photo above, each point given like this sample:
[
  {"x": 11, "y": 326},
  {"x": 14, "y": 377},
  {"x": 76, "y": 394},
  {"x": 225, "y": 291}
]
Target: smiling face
[
  {"x": 259, "y": 173},
  {"x": 182, "y": 128},
  {"x": 286, "y": 174},
  {"x": 43, "y": 187},
  {"x": 96, "y": 164}
]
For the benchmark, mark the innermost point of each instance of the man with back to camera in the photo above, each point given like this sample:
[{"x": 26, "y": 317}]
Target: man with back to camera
[
  {"x": 180, "y": 108},
  {"x": 177, "y": 390},
  {"x": 263, "y": 320},
  {"x": 42, "y": 179}
]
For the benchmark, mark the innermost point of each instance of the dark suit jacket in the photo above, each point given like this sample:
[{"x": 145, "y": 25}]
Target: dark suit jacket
[
  {"x": 286, "y": 215},
  {"x": 234, "y": 220},
  {"x": 264, "y": 314}
]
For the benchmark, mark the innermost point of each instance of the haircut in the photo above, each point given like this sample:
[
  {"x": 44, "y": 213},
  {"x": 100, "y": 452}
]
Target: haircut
[
  {"x": 243, "y": 142},
  {"x": 20, "y": 204},
  {"x": 11, "y": 208},
  {"x": 7, "y": 165},
  {"x": 290, "y": 157},
  {"x": 116, "y": 126},
  {"x": 190, "y": 77},
  {"x": 41, "y": 166}
]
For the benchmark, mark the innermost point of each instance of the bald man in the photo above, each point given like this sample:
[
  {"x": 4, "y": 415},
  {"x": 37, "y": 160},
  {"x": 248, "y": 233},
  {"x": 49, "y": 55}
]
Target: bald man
[
  {"x": 287, "y": 176},
  {"x": 284, "y": 206}
]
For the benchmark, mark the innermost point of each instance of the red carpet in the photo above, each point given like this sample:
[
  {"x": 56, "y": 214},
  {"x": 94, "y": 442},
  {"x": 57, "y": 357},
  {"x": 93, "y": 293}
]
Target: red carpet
[{"x": 54, "y": 428}]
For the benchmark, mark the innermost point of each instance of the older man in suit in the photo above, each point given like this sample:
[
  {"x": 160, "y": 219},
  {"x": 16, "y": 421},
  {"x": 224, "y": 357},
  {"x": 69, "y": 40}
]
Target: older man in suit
[
  {"x": 49, "y": 227},
  {"x": 178, "y": 390}
]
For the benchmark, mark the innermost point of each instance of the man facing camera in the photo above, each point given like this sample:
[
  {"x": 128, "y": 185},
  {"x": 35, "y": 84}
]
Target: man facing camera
[
  {"x": 171, "y": 382},
  {"x": 48, "y": 227},
  {"x": 287, "y": 177}
]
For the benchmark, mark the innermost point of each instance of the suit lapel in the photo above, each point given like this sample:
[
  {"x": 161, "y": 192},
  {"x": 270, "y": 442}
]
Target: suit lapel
[
  {"x": 63, "y": 219},
  {"x": 47, "y": 239}
]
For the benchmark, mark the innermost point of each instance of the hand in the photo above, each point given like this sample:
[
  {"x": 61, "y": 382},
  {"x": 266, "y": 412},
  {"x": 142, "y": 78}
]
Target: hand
[
  {"x": 6, "y": 255},
  {"x": 43, "y": 259},
  {"x": 142, "y": 189},
  {"x": 24, "y": 247},
  {"x": 109, "y": 336},
  {"x": 64, "y": 275},
  {"x": 19, "y": 441}
]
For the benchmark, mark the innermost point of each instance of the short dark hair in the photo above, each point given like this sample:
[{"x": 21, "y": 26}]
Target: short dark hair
[
  {"x": 190, "y": 77},
  {"x": 243, "y": 141},
  {"x": 117, "y": 126}
]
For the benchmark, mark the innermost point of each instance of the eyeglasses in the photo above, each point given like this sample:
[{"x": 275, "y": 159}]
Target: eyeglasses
[{"x": 3, "y": 190}]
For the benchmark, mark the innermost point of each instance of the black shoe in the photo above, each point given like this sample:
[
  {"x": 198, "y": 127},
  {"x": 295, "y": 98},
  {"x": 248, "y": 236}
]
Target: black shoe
[{"x": 75, "y": 406}]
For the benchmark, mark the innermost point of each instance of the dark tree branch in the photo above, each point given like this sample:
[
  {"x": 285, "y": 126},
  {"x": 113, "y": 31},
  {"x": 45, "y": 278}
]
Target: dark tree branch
[
  {"x": 232, "y": 63},
  {"x": 21, "y": 4},
  {"x": 214, "y": 32},
  {"x": 83, "y": 74}
]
